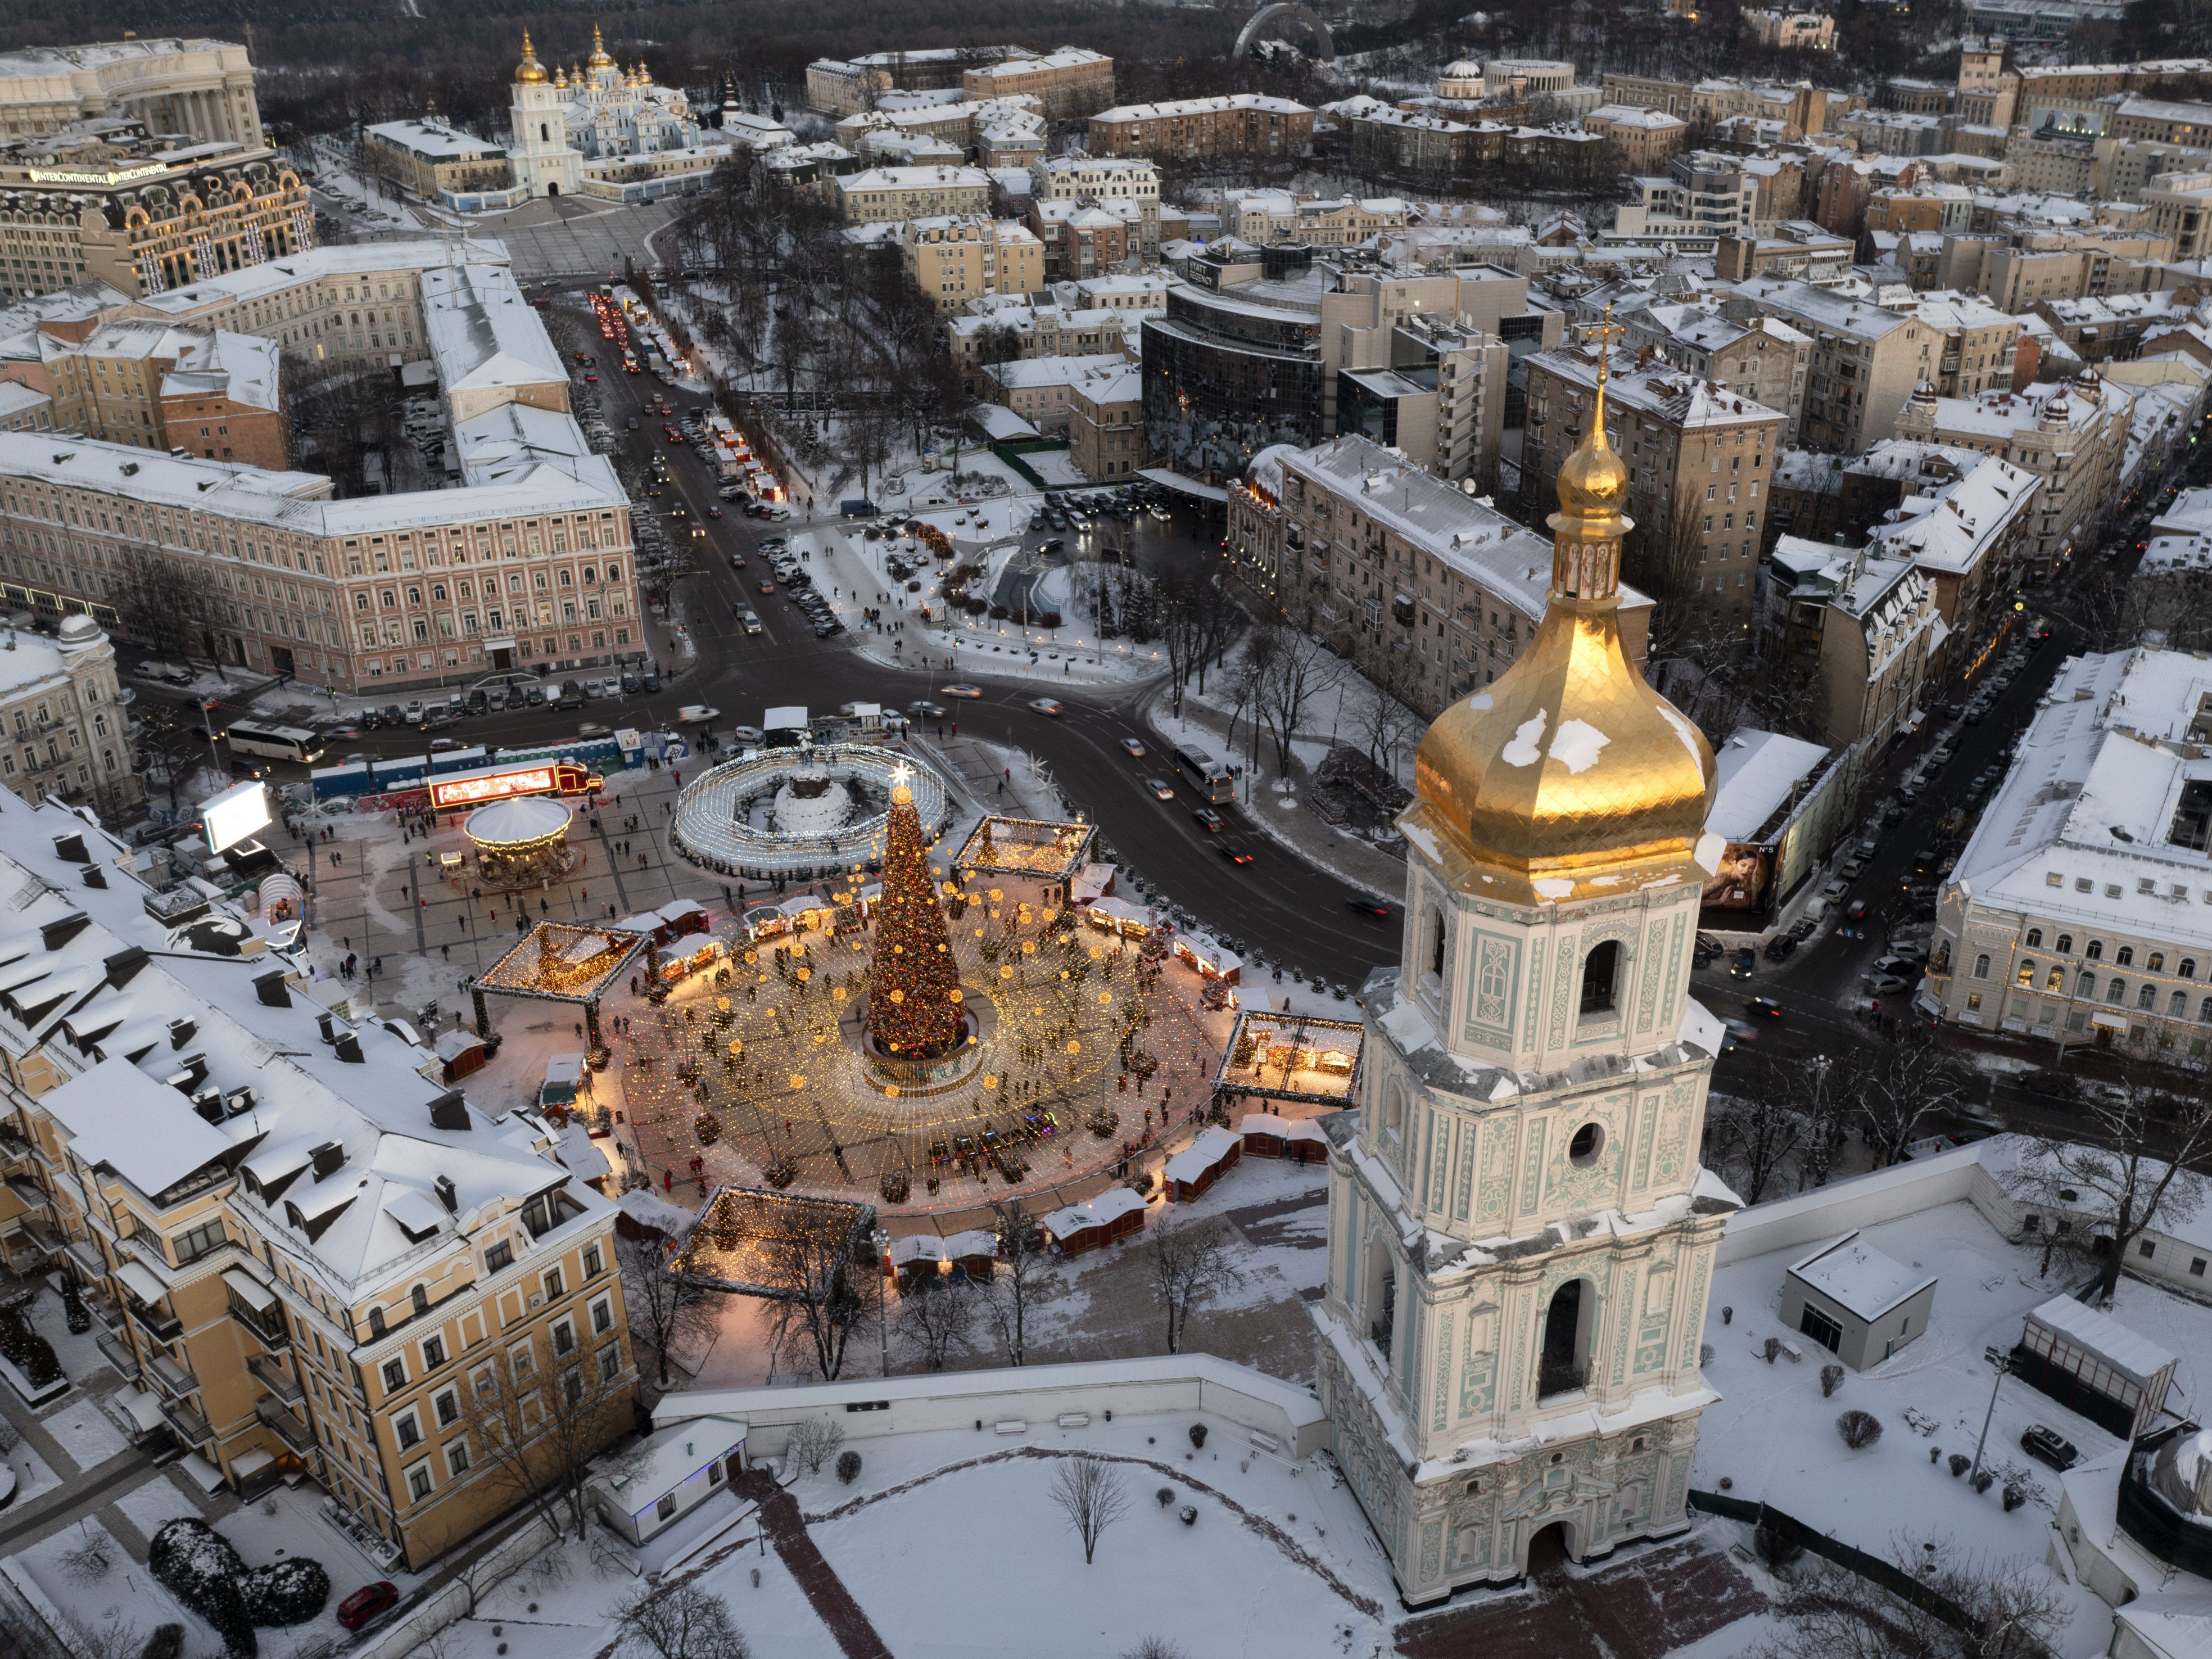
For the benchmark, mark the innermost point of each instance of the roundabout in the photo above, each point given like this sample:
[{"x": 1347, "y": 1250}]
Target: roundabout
[
  {"x": 945, "y": 1043},
  {"x": 801, "y": 814}
]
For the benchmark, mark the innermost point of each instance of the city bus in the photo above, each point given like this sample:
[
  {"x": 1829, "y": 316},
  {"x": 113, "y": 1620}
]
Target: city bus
[
  {"x": 287, "y": 743},
  {"x": 1212, "y": 780}
]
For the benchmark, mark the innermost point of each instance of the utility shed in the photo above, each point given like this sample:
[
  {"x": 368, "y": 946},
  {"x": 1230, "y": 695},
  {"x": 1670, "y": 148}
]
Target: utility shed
[
  {"x": 2090, "y": 1363},
  {"x": 1856, "y": 1301},
  {"x": 671, "y": 1472}
]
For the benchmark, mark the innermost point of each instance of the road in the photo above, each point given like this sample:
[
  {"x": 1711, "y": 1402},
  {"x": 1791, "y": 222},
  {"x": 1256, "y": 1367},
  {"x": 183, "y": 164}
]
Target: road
[
  {"x": 1279, "y": 907},
  {"x": 1816, "y": 986}
]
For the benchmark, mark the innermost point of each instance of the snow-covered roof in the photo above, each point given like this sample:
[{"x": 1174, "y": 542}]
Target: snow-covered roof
[
  {"x": 433, "y": 141},
  {"x": 1756, "y": 773},
  {"x": 336, "y": 262},
  {"x": 1259, "y": 103},
  {"x": 1672, "y": 395},
  {"x": 241, "y": 367},
  {"x": 1858, "y": 1277},
  {"x": 660, "y": 1464},
  {"x": 2132, "y": 1354},
  {"x": 1212, "y": 1145},
  {"x": 1953, "y": 527},
  {"x": 483, "y": 332}
]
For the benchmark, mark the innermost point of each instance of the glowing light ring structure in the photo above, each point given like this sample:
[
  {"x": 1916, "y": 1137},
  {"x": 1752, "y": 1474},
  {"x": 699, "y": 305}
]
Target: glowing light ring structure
[
  {"x": 706, "y": 831},
  {"x": 1248, "y": 36}
]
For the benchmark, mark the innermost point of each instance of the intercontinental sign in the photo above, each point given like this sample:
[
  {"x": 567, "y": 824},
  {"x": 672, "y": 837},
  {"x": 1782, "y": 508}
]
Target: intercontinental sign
[{"x": 118, "y": 175}]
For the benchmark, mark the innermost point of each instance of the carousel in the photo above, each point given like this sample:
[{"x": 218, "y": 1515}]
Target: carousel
[{"x": 522, "y": 842}]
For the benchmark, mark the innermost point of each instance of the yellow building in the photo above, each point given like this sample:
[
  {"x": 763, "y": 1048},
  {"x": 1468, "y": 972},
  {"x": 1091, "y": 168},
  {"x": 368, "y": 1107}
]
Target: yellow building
[
  {"x": 957, "y": 258},
  {"x": 307, "y": 1255},
  {"x": 881, "y": 194},
  {"x": 428, "y": 156}
]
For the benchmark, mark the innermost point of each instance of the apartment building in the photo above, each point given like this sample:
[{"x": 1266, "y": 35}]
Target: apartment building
[
  {"x": 1967, "y": 522},
  {"x": 2163, "y": 121},
  {"x": 1067, "y": 82},
  {"x": 1641, "y": 138},
  {"x": 1011, "y": 331},
  {"x": 877, "y": 194},
  {"x": 2074, "y": 437},
  {"x": 163, "y": 386},
  {"x": 880, "y": 79},
  {"x": 65, "y": 723},
  {"x": 1430, "y": 387},
  {"x": 198, "y": 87},
  {"x": 1697, "y": 458},
  {"x": 1106, "y": 420},
  {"x": 1264, "y": 217},
  {"x": 1429, "y": 592},
  {"x": 1117, "y": 183},
  {"x": 1242, "y": 123},
  {"x": 1041, "y": 390},
  {"x": 1086, "y": 238},
  {"x": 2114, "y": 325},
  {"x": 2018, "y": 269},
  {"x": 2180, "y": 206},
  {"x": 527, "y": 564},
  {"x": 428, "y": 157},
  {"x": 2073, "y": 913},
  {"x": 1979, "y": 343},
  {"x": 963, "y": 257},
  {"x": 309, "y": 1257},
  {"x": 1865, "y": 360},
  {"x": 144, "y": 214},
  {"x": 1790, "y": 31},
  {"x": 22, "y": 410},
  {"x": 1862, "y": 628},
  {"x": 1701, "y": 196},
  {"x": 1760, "y": 359}
]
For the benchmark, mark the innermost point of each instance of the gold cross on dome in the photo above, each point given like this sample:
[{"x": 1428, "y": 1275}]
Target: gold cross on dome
[{"x": 1603, "y": 333}]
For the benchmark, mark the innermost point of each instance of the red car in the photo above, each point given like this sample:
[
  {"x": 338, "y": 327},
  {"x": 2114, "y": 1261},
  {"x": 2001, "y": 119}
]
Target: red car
[{"x": 370, "y": 1601}]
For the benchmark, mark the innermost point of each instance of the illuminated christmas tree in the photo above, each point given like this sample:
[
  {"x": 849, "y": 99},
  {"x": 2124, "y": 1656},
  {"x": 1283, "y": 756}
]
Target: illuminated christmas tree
[{"x": 913, "y": 1000}]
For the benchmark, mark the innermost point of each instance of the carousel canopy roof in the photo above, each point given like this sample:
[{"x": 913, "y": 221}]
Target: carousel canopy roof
[{"x": 516, "y": 823}]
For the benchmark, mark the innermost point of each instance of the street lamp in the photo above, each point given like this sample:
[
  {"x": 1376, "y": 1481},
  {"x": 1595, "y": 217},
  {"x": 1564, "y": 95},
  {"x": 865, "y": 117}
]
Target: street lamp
[
  {"x": 882, "y": 1243},
  {"x": 2000, "y": 1363}
]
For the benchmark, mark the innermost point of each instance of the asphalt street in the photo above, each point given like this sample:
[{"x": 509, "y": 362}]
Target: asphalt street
[{"x": 1279, "y": 907}]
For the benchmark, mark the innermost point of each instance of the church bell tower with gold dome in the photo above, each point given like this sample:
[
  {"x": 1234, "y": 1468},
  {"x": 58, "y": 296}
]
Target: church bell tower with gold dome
[{"x": 1520, "y": 1236}]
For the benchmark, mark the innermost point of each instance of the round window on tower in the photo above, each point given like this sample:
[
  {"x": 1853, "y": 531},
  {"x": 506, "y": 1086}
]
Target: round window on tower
[{"x": 1589, "y": 1142}]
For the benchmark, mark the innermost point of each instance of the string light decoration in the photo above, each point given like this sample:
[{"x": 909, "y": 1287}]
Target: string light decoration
[{"x": 913, "y": 1008}]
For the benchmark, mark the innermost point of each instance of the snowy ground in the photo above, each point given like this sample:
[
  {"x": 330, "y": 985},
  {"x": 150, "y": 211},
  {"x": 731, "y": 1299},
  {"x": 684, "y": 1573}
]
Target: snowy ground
[{"x": 1773, "y": 1435}]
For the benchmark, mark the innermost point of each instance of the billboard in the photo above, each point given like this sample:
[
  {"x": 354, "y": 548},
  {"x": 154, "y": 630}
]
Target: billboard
[
  {"x": 238, "y": 814},
  {"x": 1743, "y": 879}
]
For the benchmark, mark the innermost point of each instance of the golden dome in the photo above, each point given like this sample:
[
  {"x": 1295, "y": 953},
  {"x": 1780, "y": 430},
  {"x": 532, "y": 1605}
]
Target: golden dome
[
  {"x": 599, "y": 57},
  {"x": 530, "y": 72},
  {"x": 1569, "y": 777}
]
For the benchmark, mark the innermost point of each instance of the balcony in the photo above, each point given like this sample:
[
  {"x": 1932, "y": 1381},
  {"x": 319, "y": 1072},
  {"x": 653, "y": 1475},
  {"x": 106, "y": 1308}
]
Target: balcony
[
  {"x": 28, "y": 1193},
  {"x": 118, "y": 1356},
  {"x": 272, "y": 1376},
  {"x": 290, "y": 1428},
  {"x": 162, "y": 1327},
  {"x": 190, "y": 1426},
  {"x": 175, "y": 1380}
]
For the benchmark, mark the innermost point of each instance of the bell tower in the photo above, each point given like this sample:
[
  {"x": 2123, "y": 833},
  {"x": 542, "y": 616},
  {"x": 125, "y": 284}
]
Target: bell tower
[
  {"x": 1521, "y": 1236},
  {"x": 537, "y": 124}
]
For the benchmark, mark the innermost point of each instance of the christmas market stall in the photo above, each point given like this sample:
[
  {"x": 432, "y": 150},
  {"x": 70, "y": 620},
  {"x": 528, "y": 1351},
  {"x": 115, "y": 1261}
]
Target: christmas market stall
[
  {"x": 560, "y": 961},
  {"x": 1266, "y": 1135},
  {"x": 1081, "y": 1228},
  {"x": 1192, "y": 1171}
]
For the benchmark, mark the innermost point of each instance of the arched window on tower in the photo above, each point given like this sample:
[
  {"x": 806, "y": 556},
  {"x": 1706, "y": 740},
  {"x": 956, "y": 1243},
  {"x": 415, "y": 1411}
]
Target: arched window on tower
[
  {"x": 1601, "y": 972},
  {"x": 1566, "y": 1338},
  {"x": 1435, "y": 946}
]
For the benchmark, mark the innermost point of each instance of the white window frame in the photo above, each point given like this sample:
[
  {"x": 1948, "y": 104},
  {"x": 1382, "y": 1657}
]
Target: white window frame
[{"x": 403, "y": 1425}]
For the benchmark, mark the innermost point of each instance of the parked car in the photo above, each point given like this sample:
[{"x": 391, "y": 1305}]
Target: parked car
[
  {"x": 1887, "y": 985},
  {"x": 369, "y": 1602},
  {"x": 2049, "y": 1446}
]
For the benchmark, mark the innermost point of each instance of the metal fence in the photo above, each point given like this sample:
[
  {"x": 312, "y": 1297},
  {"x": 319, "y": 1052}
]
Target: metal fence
[{"x": 1887, "y": 1574}]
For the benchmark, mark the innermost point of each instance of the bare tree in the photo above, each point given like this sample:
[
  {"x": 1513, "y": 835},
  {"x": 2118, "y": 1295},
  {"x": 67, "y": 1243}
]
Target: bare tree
[
  {"x": 665, "y": 1310},
  {"x": 813, "y": 1441},
  {"x": 1754, "y": 1130},
  {"x": 1192, "y": 1265},
  {"x": 2129, "y": 1169},
  {"x": 1971, "y": 1609},
  {"x": 1302, "y": 669},
  {"x": 1183, "y": 629},
  {"x": 536, "y": 1430},
  {"x": 682, "y": 1622},
  {"x": 1090, "y": 1493},
  {"x": 935, "y": 1322},
  {"x": 820, "y": 1296},
  {"x": 1385, "y": 726},
  {"x": 1156, "y": 1647},
  {"x": 1902, "y": 1082},
  {"x": 1020, "y": 1279}
]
